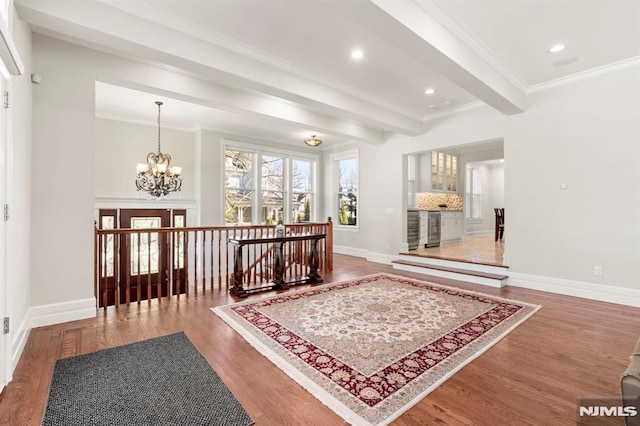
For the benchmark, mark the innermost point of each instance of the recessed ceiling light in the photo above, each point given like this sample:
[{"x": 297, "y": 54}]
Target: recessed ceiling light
[
  {"x": 357, "y": 54},
  {"x": 432, "y": 106},
  {"x": 429, "y": 91},
  {"x": 447, "y": 102},
  {"x": 557, "y": 48}
]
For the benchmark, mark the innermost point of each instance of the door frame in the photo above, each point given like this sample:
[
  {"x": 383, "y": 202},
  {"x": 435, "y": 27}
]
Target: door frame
[
  {"x": 5, "y": 346},
  {"x": 160, "y": 280}
]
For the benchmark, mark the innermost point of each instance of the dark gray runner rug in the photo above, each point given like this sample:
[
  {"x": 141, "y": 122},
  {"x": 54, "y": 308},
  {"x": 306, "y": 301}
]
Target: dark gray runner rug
[{"x": 161, "y": 381}]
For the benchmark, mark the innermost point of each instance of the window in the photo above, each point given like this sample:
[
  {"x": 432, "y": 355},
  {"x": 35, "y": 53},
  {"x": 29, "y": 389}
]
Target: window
[
  {"x": 301, "y": 203},
  {"x": 239, "y": 189},
  {"x": 347, "y": 190},
  {"x": 473, "y": 193},
  {"x": 272, "y": 189},
  {"x": 281, "y": 188}
]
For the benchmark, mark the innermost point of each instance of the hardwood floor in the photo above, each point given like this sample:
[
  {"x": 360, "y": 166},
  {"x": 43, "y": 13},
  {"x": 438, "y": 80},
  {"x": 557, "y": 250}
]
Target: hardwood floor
[
  {"x": 475, "y": 248},
  {"x": 570, "y": 348}
]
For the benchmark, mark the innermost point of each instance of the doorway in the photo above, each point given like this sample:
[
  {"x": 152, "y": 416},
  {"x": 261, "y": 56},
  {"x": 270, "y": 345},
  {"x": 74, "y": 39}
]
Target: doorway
[
  {"x": 144, "y": 261},
  {"x": 139, "y": 267}
]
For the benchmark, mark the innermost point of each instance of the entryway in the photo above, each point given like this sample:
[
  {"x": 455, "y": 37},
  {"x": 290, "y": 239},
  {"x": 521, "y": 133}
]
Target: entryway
[{"x": 141, "y": 264}]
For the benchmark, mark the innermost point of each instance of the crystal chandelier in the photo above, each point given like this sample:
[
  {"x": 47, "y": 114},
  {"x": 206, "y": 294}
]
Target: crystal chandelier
[{"x": 158, "y": 177}]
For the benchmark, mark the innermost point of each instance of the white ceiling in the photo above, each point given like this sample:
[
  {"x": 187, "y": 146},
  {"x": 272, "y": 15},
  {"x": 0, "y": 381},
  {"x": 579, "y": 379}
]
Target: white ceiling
[{"x": 286, "y": 66}]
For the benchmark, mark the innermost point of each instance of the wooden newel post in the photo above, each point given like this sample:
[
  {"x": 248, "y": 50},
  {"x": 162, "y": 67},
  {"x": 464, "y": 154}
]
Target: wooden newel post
[
  {"x": 237, "y": 288},
  {"x": 329, "y": 244},
  {"x": 278, "y": 267},
  {"x": 314, "y": 261}
]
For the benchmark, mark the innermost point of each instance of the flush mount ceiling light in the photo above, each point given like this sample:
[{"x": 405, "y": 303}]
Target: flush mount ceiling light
[
  {"x": 158, "y": 177},
  {"x": 429, "y": 91},
  {"x": 313, "y": 141},
  {"x": 557, "y": 48},
  {"x": 357, "y": 54}
]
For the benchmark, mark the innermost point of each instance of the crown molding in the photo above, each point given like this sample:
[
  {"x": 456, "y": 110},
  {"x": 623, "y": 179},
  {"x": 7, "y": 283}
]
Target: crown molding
[
  {"x": 583, "y": 75},
  {"x": 462, "y": 33}
]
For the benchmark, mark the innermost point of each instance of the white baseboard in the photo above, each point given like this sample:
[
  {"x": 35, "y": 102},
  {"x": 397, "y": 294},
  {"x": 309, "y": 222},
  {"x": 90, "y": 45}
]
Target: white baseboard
[
  {"x": 39, "y": 316},
  {"x": 18, "y": 343},
  {"x": 381, "y": 257},
  {"x": 350, "y": 251},
  {"x": 56, "y": 313},
  {"x": 365, "y": 254},
  {"x": 600, "y": 292}
]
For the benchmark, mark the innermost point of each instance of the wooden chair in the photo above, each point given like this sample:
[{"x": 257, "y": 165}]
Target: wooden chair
[{"x": 499, "y": 229}]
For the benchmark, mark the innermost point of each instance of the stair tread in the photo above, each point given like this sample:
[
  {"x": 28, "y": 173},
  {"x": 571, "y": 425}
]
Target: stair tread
[
  {"x": 456, "y": 270},
  {"x": 452, "y": 259}
]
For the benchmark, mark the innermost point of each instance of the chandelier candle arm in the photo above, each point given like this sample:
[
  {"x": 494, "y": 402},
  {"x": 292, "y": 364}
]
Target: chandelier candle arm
[{"x": 158, "y": 177}]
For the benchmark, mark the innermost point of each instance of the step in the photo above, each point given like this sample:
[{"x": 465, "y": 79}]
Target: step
[
  {"x": 449, "y": 262},
  {"x": 468, "y": 275}
]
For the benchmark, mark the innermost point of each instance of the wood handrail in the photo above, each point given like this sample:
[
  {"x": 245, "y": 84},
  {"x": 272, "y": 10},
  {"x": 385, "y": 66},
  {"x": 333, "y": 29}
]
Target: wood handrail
[{"x": 196, "y": 258}]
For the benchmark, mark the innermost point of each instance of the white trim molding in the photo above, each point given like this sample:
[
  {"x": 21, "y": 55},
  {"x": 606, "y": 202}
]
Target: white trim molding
[
  {"x": 18, "y": 342},
  {"x": 600, "y": 292},
  {"x": 56, "y": 313},
  {"x": 144, "y": 203},
  {"x": 350, "y": 251},
  {"x": 381, "y": 257}
]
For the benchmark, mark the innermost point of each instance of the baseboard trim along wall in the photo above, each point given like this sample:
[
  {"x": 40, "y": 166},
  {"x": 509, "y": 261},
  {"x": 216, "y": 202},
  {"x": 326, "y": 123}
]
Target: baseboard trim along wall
[
  {"x": 40, "y": 316},
  {"x": 350, "y": 251},
  {"x": 381, "y": 257},
  {"x": 56, "y": 313},
  {"x": 365, "y": 254},
  {"x": 602, "y": 293},
  {"x": 18, "y": 343}
]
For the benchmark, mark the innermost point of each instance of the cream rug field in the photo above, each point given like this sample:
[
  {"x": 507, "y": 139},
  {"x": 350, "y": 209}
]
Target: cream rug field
[{"x": 372, "y": 347}]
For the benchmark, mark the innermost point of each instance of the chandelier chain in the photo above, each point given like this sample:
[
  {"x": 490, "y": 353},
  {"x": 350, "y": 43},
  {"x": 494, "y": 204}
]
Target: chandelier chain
[{"x": 159, "y": 105}]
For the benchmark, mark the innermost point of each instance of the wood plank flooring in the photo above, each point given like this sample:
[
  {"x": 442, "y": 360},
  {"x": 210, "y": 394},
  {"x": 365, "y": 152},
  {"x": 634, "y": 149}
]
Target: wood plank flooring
[
  {"x": 475, "y": 248},
  {"x": 572, "y": 347}
]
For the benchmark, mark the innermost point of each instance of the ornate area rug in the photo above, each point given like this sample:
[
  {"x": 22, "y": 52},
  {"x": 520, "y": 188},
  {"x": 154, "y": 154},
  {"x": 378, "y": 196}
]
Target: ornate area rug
[{"x": 372, "y": 347}]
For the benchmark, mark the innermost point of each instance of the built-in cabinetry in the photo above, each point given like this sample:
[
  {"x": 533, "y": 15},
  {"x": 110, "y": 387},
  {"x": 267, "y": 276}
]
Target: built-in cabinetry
[
  {"x": 452, "y": 226},
  {"x": 437, "y": 171},
  {"x": 444, "y": 172}
]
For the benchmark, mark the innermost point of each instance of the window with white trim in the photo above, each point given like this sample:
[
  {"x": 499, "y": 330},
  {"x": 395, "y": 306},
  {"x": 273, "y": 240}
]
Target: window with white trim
[
  {"x": 239, "y": 186},
  {"x": 346, "y": 188},
  {"x": 267, "y": 187}
]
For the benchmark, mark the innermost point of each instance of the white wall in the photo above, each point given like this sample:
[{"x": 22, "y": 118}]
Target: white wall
[
  {"x": 210, "y": 183},
  {"x": 584, "y": 133},
  {"x": 119, "y": 146},
  {"x": 63, "y": 175},
  {"x": 496, "y": 183},
  {"x": 587, "y": 135}
]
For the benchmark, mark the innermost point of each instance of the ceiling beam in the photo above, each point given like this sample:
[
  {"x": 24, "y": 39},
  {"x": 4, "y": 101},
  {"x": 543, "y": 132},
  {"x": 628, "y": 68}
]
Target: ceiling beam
[
  {"x": 418, "y": 29},
  {"x": 101, "y": 26}
]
